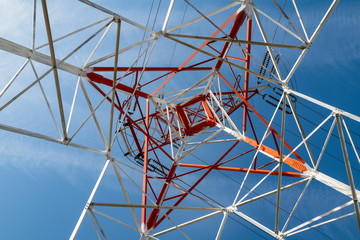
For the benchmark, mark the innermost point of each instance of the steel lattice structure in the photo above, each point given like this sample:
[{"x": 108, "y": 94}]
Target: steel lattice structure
[{"x": 226, "y": 95}]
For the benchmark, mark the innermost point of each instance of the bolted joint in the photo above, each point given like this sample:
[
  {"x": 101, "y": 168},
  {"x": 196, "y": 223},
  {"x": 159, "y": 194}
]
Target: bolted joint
[
  {"x": 312, "y": 173},
  {"x": 248, "y": 8},
  {"x": 305, "y": 45},
  {"x": 280, "y": 236},
  {"x": 84, "y": 72},
  {"x": 285, "y": 87},
  {"x": 230, "y": 209},
  {"x": 116, "y": 18},
  {"x": 65, "y": 141},
  {"x": 89, "y": 206},
  {"x": 109, "y": 156},
  {"x": 159, "y": 34},
  {"x": 336, "y": 112}
]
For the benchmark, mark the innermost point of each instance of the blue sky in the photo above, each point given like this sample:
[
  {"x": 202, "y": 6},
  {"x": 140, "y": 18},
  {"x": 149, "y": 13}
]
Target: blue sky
[{"x": 45, "y": 185}]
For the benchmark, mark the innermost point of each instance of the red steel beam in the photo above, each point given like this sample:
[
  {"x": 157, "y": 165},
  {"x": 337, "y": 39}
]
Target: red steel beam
[
  {"x": 155, "y": 212},
  {"x": 197, "y": 182},
  {"x": 149, "y": 69},
  {"x": 136, "y": 140},
  {"x": 131, "y": 121},
  {"x": 100, "y": 79},
  {"x": 240, "y": 17}
]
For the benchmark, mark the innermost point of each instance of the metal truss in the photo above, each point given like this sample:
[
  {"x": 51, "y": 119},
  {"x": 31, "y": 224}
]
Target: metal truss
[{"x": 210, "y": 103}]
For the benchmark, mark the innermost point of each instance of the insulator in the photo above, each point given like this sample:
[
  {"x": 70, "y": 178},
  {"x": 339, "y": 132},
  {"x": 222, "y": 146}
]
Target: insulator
[
  {"x": 134, "y": 107},
  {"x": 157, "y": 170},
  {"x": 276, "y": 99},
  {"x": 166, "y": 168},
  {"x": 267, "y": 61},
  {"x": 237, "y": 83},
  {"x": 139, "y": 161},
  {"x": 264, "y": 66},
  {"x": 270, "y": 103},
  {"x": 151, "y": 167},
  {"x": 156, "y": 162}
]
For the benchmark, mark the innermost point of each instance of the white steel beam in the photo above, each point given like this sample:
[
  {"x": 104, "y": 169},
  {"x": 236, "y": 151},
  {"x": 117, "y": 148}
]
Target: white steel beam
[
  {"x": 201, "y": 18},
  {"x": 320, "y": 224},
  {"x": 187, "y": 223},
  {"x": 351, "y": 139},
  {"x": 313, "y": 37},
  {"x": 272, "y": 192},
  {"x": 74, "y": 32},
  {"x": 126, "y": 194},
  {"x": 222, "y": 224},
  {"x": 25, "y": 52},
  {"x": 98, "y": 224},
  {"x": 263, "y": 34},
  {"x": 54, "y": 66},
  {"x": 93, "y": 224},
  {"x": 237, "y": 41},
  {"x": 277, "y": 23},
  {"x": 47, "y": 138},
  {"x": 332, "y": 182},
  {"x": 301, "y": 21},
  {"x": 122, "y": 18},
  {"x": 281, "y": 160},
  {"x": 308, "y": 149},
  {"x": 46, "y": 100},
  {"x": 115, "y": 220},
  {"x": 205, "y": 17},
  {"x": 348, "y": 170},
  {"x": 114, "y": 82},
  {"x": 168, "y": 15},
  {"x": 317, "y": 218},
  {"x": 289, "y": 21},
  {"x": 324, "y": 105},
  {"x": 257, "y": 224},
  {"x": 78, "y": 224},
  {"x": 13, "y": 78}
]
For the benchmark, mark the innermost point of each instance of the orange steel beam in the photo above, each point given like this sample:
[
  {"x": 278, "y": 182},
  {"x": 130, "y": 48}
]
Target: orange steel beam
[
  {"x": 236, "y": 169},
  {"x": 259, "y": 116},
  {"x": 289, "y": 161},
  {"x": 247, "y": 66},
  {"x": 146, "y": 156},
  {"x": 195, "y": 53}
]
